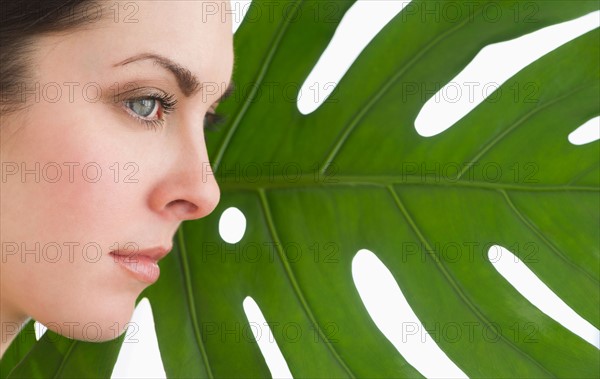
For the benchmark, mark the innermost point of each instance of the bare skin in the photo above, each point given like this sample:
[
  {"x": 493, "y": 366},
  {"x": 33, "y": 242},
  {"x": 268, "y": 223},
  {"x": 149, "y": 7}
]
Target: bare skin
[{"x": 121, "y": 181}]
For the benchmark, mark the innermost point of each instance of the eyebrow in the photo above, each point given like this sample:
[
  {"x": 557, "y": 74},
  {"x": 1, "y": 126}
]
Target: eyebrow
[{"x": 188, "y": 83}]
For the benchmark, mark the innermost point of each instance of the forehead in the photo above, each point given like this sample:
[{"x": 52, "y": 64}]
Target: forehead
[{"x": 195, "y": 34}]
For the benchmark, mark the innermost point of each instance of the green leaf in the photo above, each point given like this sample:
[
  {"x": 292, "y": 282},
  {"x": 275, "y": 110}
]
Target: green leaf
[
  {"x": 18, "y": 348},
  {"x": 364, "y": 184},
  {"x": 55, "y": 356}
]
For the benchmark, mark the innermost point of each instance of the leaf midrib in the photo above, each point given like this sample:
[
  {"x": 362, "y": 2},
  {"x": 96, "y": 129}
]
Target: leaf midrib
[{"x": 283, "y": 182}]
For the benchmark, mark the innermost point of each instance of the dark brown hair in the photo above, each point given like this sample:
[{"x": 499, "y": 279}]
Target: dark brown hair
[{"x": 21, "y": 21}]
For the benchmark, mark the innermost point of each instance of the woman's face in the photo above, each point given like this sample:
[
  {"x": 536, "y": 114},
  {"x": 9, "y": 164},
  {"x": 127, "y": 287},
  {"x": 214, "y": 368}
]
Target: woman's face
[{"x": 84, "y": 175}]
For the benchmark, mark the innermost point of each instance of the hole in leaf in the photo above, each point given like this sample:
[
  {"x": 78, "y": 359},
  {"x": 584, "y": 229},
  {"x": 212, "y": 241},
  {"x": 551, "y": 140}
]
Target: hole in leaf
[
  {"x": 538, "y": 294},
  {"x": 586, "y": 133},
  {"x": 392, "y": 314},
  {"x": 361, "y": 23},
  {"x": 39, "y": 329},
  {"x": 139, "y": 356},
  {"x": 493, "y": 66},
  {"x": 264, "y": 337},
  {"x": 232, "y": 225}
]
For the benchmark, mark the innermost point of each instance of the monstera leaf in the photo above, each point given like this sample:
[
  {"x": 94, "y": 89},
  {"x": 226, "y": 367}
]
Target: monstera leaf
[
  {"x": 18, "y": 348},
  {"x": 55, "y": 356},
  {"x": 355, "y": 174},
  {"x": 339, "y": 175}
]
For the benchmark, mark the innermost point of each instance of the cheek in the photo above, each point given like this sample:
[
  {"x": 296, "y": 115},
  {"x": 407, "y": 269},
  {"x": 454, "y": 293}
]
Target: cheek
[
  {"x": 76, "y": 200},
  {"x": 71, "y": 177},
  {"x": 95, "y": 166}
]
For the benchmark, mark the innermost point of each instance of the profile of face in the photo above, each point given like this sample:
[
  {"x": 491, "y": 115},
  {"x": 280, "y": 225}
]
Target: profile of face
[{"x": 100, "y": 162}]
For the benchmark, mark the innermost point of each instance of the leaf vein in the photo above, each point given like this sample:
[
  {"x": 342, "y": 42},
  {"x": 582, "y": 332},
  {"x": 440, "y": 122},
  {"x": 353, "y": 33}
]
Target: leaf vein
[
  {"x": 190, "y": 300},
  {"x": 498, "y": 138},
  {"x": 583, "y": 173},
  {"x": 65, "y": 359},
  {"x": 365, "y": 110},
  {"x": 531, "y": 226},
  {"x": 292, "y": 279},
  {"x": 248, "y": 101},
  {"x": 454, "y": 284}
]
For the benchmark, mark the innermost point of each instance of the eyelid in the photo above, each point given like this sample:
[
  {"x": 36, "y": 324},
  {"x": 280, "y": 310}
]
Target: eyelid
[{"x": 138, "y": 93}]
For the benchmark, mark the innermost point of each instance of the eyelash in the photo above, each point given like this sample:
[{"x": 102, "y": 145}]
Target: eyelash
[
  {"x": 215, "y": 120},
  {"x": 168, "y": 105}
]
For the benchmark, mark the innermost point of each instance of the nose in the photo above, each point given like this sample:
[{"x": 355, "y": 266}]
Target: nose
[{"x": 189, "y": 190}]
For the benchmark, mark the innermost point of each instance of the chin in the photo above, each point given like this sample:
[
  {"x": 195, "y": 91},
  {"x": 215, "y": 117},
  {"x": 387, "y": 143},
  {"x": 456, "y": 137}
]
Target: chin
[{"x": 92, "y": 323}]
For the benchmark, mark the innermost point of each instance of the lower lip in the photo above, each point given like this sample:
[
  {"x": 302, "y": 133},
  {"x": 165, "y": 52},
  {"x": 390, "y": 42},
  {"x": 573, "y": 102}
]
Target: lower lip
[{"x": 141, "y": 267}]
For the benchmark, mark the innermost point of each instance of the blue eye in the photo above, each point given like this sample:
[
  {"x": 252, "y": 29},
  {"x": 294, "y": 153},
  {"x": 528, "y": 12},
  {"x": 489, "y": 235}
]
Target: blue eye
[
  {"x": 146, "y": 107},
  {"x": 152, "y": 108}
]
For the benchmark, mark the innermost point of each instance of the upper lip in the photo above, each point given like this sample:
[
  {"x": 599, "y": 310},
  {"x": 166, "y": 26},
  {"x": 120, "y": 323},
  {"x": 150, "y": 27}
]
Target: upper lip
[{"x": 155, "y": 253}]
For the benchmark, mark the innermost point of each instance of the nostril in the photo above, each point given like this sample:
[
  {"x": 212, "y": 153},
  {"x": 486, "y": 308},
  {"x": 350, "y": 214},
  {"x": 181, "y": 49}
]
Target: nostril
[{"x": 182, "y": 206}]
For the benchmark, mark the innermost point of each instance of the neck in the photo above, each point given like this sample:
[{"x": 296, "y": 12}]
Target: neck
[{"x": 11, "y": 323}]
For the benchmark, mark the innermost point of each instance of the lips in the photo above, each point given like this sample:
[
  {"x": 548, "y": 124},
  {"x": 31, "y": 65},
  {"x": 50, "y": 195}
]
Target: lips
[{"x": 141, "y": 264}]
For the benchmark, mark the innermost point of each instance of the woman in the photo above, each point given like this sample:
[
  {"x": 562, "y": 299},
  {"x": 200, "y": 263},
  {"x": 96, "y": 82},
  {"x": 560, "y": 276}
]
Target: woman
[{"x": 102, "y": 152}]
